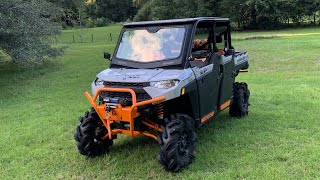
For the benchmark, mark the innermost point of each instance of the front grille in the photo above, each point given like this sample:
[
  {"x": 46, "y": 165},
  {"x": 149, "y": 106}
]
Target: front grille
[
  {"x": 127, "y": 85},
  {"x": 141, "y": 94}
]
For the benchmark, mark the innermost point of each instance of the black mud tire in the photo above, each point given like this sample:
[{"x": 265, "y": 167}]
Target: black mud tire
[
  {"x": 240, "y": 103},
  {"x": 89, "y": 134},
  {"x": 177, "y": 142}
]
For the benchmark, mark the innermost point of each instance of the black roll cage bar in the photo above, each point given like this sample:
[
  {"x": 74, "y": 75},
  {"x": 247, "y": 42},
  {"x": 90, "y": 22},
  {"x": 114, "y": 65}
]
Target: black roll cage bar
[{"x": 191, "y": 25}]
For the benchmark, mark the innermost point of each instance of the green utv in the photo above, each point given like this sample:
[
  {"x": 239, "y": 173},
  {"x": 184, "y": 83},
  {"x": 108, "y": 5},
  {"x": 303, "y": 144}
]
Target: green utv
[{"x": 164, "y": 82}]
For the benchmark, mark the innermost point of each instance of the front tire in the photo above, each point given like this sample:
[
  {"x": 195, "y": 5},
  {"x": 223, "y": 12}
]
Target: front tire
[
  {"x": 89, "y": 135},
  {"x": 177, "y": 142},
  {"x": 240, "y": 104}
]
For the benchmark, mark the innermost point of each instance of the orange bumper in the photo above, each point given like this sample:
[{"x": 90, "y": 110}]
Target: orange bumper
[{"x": 123, "y": 114}]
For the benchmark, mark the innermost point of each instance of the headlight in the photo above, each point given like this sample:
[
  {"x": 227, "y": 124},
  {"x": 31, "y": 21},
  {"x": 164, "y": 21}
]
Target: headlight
[
  {"x": 164, "y": 84},
  {"x": 98, "y": 82}
]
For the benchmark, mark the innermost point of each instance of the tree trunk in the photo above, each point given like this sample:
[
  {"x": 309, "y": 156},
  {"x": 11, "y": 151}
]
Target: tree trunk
[
  {"x": 253, "y": 18},
  {"x": 275, "y": 22},
  {"x": 314, "y": 19}
]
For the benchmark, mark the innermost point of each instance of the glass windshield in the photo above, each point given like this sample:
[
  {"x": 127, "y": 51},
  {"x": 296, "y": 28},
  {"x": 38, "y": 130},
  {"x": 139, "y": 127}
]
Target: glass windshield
[{"x": 144, "y": 46}]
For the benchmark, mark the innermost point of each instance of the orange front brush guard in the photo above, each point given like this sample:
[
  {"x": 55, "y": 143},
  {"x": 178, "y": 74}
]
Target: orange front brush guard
[{"x": 125, "y": 114}]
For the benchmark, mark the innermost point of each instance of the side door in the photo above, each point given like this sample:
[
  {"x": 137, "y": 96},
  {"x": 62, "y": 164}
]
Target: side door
[
  {"x": 208, "y": 80},
  {"x": 206, "y": 69},
  {"x": 227, "y": 68}
]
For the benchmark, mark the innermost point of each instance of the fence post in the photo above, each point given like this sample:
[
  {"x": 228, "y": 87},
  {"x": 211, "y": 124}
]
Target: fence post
[
  {"x": 92, "y": 38},
  {"x": 74, "y": 40},
  {"x": 110, "y": 37}
]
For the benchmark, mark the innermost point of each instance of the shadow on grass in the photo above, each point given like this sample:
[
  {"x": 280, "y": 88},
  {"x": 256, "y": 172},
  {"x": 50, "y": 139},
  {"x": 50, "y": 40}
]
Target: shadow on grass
[
  {"x": 134, "y": 144},
  {"x": 221, "y": 122},
  {"x": 216, "y": 149},
  {"x": 9, "y": 67},
  {"x": 14, "y": 77},
  {"x": 206, "y": 135}
]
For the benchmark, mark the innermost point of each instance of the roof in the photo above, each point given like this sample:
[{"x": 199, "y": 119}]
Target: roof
[{"x": 177, "y": 21}]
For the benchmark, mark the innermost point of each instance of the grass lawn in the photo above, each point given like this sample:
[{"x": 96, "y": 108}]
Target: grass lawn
[{"x": 279, "y": 139}]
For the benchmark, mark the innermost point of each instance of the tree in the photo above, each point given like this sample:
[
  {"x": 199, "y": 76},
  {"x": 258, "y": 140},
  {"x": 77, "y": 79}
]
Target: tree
[
  {"x": 246, "y": 14},
  {"x": 144, "y": 13},
  {"x": 236, "y": 10},
  {"x": 140, "y": 3},
  {"x": 68, "y": 12},
  {"x": 163, "y": 9},
  {"x": 170, "y": 9},
  {"x": 310, "y": 8},
  {"x": 185, "y": 8},
  {"x": 211, "y": 7},
  {"x": 115, "y": 10},
  {"x": 26, "y": 31}
]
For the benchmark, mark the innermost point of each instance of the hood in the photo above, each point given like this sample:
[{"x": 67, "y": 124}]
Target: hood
[
  {"x": 128, "y": 75},
  {"x": 143, "y": 75},
  {"x": 173, "y": 74}
]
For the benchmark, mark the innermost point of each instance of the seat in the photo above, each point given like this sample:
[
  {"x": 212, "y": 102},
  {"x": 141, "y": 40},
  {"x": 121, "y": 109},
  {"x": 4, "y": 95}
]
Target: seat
[{"x": 199, "y": 53}]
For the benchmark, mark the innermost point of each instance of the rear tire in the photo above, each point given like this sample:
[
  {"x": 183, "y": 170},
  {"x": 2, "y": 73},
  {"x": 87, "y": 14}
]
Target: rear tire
[
  {"x": 177, "y": 142},
  {"x": 240, "y": 103},
  {"x": 89, "y": 134}
]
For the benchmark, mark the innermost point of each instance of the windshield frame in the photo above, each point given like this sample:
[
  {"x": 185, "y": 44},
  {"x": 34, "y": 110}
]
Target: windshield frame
[
  {"x": 154, "y": 64},
  {"x": 150, "y": 60}
]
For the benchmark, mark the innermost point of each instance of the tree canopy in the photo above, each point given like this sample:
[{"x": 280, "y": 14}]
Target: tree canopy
[
  {"x": 27, "y": 29},
  {"x": 245, "y": 13},
  {"x": 68, "y": 11},
  {"x": 115, "y": 11}
]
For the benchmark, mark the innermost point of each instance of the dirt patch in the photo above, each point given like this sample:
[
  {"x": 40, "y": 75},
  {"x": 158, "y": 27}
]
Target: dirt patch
[
  {"x": 257, "y": 38},
  {"x": 293, "y": 35},
  {"x": 262, "y": 37}
]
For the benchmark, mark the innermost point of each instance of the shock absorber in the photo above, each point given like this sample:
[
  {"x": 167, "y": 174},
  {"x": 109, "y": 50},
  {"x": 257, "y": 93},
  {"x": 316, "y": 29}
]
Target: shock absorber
[{"x": 159, "y": 111}]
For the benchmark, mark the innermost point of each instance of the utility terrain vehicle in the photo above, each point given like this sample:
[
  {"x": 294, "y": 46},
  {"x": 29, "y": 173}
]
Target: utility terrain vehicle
[{"x": 166, "y": 78}]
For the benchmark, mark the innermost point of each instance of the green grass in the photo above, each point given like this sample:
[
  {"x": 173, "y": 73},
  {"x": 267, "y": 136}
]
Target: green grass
[
  {"x": 279, "y": 139},
  {"x": 98, "y": 35}
]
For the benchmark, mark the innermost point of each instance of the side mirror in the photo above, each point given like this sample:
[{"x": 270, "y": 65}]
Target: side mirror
[{"x": 107, "y": 55}]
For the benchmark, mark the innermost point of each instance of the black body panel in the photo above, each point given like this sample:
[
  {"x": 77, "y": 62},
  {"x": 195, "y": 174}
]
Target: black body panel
[
  {"x": 228, "y": 78},
  {"x": 208, "y": 88},
  {"x": 191, "y": 90},
  {"x": 176, "y": 21}
]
